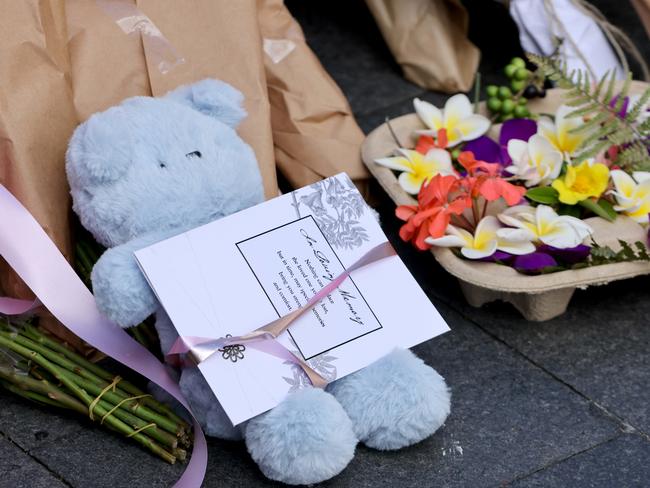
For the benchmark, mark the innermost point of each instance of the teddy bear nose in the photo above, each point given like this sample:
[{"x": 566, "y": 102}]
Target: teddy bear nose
[{"x": 193, "y": 154}]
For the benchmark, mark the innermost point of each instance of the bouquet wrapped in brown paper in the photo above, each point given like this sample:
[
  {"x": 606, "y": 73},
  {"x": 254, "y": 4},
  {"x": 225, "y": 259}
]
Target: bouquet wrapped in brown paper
[
  {"x": 61, "y": 61},
  {"x": 428, "y": 38}
]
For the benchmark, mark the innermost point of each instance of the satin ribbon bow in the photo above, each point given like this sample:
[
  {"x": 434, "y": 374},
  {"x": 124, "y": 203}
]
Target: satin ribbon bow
[{"x": 199, "y": 349}]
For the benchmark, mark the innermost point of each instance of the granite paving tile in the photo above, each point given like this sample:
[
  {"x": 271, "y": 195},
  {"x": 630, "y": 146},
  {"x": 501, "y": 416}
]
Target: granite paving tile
[
  {"x": 599, "y": 346},
  {"x": 30, "y": 425},
  {"x": 95, "y": 457},
  {"x": 18, "y": 470},
  {"x": 620, "y": 462},
  {"x": 508, "y": 419}
]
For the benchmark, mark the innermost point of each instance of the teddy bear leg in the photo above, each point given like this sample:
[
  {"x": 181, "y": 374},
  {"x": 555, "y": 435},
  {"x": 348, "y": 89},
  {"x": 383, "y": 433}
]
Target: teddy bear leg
[
  {"x": 395, "y": 402},
  {"x": 308, "y": 438},
  {"x": 206, "y": 407},
  {"x": 195, "y": 389}
]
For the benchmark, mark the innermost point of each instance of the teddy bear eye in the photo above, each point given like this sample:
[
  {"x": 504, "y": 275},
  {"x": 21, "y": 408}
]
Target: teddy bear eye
[
  {"x": 162, "y": 164},
  {"x": 193, "y": 154}
]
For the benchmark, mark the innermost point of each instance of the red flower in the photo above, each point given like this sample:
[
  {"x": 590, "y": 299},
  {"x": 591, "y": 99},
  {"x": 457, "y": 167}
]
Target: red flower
[
  {"x": 427, "y": 142},
  {"x": 431, "y": 216},
  {"x": 485, "y": 180}
]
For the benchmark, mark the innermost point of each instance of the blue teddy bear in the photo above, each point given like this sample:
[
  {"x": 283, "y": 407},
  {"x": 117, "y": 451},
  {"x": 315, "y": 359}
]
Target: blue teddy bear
[{"x": 151, "y": 168}]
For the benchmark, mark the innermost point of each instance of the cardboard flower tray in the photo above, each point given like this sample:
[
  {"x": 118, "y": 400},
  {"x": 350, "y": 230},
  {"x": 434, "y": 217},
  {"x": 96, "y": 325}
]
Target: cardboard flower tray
[{"x": 539, "y": 297}]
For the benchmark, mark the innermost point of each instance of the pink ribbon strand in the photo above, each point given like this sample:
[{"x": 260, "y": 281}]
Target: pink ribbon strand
[
  {"x": 264, "y": 338},
  {"x": 34, "y": 257}
]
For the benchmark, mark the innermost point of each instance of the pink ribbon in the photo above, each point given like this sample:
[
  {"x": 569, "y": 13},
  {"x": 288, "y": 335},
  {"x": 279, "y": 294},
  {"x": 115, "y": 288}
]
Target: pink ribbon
[
  {"x": 34, "y": 257},
  {"x": 264, "y": 338}
]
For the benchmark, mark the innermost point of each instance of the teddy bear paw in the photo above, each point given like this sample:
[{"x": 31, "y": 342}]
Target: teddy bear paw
[
  {"x": 395, "y": 402},
  {"x": 306, "y": 439},
  {"x": 206, "y": 407}
]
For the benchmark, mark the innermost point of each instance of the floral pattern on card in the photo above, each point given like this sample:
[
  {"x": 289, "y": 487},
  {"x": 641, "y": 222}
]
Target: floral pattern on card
[
  {"x": 336, "y": 205},
  {"x": 322, "y": 364}
]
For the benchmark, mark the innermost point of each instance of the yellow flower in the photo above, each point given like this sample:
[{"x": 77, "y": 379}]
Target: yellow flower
[
  {"x": 588, "y": 179},
  {"x": 418, "y": 168}
]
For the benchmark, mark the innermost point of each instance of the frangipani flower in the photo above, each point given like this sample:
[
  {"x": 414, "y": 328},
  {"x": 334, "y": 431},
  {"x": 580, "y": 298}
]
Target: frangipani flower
[
  {"x": 458, "y": 119},
  {"x": 632, "y": 197},
  {"x": 586, "y": 180},
  {"x": 418, "y": 168},
  {"x": 485, "y": 241},
  {"x": 537, "y": 162},
  {"x": 545, "y": 225},
  {"x": 491, "y": 151},
  {"x": 560, "y": 134}
]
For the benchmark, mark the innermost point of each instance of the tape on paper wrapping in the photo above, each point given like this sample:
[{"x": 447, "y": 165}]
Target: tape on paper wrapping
[
  {"x": 133, "y": 21},
  {"x": 278, "y": 49}
]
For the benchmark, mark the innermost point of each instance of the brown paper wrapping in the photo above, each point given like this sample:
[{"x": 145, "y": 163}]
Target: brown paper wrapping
[
  {"x": 428, "y": 38},
  {"x": 314, "y": 131},
  {"x": 642, "y": 8},
  {"x": 61, "y": 61}
]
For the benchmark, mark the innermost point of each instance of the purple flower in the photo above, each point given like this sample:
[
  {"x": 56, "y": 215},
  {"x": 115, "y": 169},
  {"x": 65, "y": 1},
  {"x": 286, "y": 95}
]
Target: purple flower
[
  {"x": 485, "y": 149},
  {"x": 501, "y": 256},
  {"x": 571, "y": 255},
  {"x": 533, "y": 263},
  {"x": 624, "y": 106}
]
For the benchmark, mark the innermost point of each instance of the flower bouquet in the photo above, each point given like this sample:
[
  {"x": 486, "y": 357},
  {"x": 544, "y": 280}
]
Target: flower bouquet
[{"x": 556, "y": 197}]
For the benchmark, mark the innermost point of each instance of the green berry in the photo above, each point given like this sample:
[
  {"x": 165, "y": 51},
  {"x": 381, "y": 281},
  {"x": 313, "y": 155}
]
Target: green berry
[
  {"x": 510, "y": 70},
  {"x": 455, "y": 153},
  {"x": 522, "y": 74},
  {"x": 492, "y": 90},
  {"x": 494, "y": 104},
  {"x": 523, "y": 101},
  {"x": 517, "y": 85},
  {"x": 507, "y": 107},
  {"x": 518, "y": 62},
  {"x": 521, "y": 112},
  {"x": 507, "y": 117},
  {"x": 504, "y": 92}
]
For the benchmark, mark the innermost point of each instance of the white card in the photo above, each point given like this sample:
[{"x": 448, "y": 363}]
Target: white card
[{"x": 245, "y": 270}]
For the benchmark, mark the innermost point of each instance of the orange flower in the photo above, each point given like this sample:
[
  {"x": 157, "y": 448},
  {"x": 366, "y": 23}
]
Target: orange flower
[
  {"x": 431, "y": 216},
  {"x": 484, "y": 180},
  {"x": 427, "y": 142}
]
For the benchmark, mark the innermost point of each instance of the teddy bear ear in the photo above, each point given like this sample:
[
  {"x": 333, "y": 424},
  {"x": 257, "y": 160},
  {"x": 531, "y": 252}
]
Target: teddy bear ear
[
  {"x": 100, "y": 149},
  {"x": 214, "y": 98}
]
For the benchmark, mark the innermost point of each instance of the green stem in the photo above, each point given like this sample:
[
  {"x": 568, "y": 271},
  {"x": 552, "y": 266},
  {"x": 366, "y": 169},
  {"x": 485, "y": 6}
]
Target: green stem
[
  {"x": 64, "y": 377},
  {"x": 138, "y": 336},
  {"x": 78, "y": 363},
  {"x": 477, "y": 91},
  {"x": 30, "y": 395},
  {"x": 167, "y": 439},
  {"x": 134, "y": 406},
  {"x": 43, "y": 387},
  {"x": 84, "y": 262}
]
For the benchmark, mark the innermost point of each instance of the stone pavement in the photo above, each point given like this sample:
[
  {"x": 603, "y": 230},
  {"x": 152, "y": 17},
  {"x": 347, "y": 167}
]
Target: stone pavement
[{"x": 561, "y": 403}]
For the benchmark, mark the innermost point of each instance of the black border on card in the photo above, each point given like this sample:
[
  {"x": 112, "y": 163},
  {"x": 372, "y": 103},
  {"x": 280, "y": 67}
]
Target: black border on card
[{"x": 338, "y": 259}]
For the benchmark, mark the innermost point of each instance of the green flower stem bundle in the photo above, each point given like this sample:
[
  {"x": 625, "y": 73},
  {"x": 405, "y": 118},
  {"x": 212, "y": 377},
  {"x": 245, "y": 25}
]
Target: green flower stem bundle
[{"x": 37, "y": 367}]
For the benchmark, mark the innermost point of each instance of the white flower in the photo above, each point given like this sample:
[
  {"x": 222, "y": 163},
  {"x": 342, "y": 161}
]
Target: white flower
[
  {"x": 632, "y": 197},
  {"x": 545, "y": 225},
  {"x": 485, "y": 241},
  {"x": 560, "y": 133},
  {"x": 536, "y": 162},
  {"x": 418, "y": 168},
  {"x": 457, "y": 118}
]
